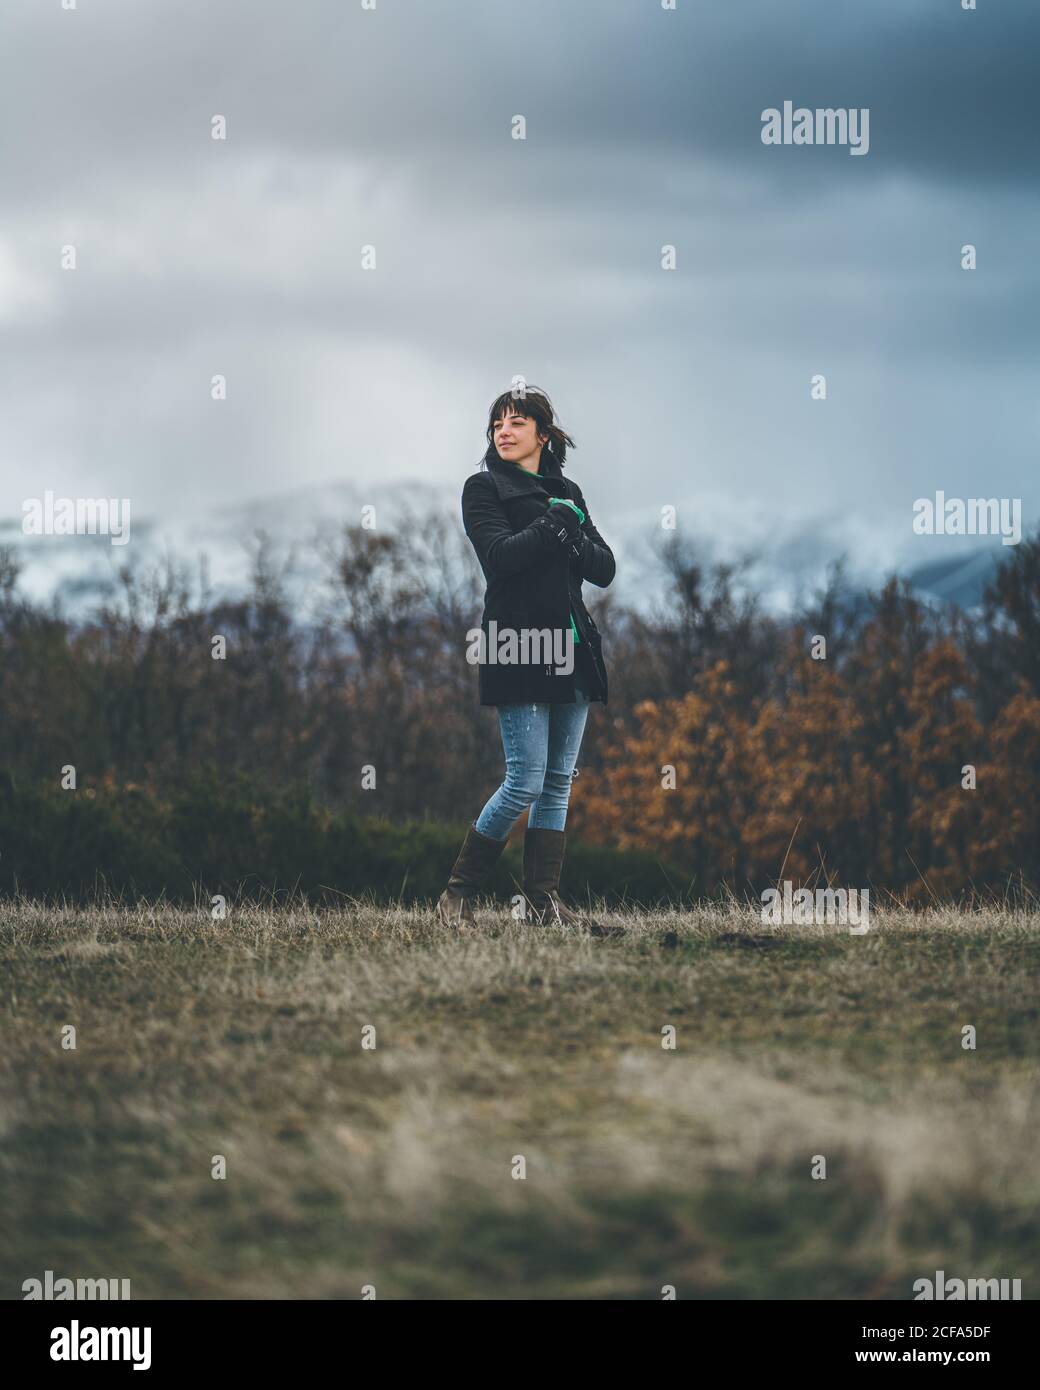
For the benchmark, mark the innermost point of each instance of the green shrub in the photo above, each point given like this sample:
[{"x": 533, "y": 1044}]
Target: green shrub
[{"x": 230, "y": 836}]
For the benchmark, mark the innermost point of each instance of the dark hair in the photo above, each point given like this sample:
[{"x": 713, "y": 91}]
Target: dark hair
[{"x": 534, "y": 405}]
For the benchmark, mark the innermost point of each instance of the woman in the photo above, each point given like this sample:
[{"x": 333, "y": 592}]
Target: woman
[{"x": 536, "y": 543}]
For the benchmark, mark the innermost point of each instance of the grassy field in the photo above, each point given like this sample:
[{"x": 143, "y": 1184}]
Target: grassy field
[{"x": 393, "y": 1166}]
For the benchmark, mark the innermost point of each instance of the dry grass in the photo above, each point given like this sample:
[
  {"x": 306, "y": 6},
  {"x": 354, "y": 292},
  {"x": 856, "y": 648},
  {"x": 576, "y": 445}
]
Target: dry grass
[{"x": 392, "y": 1166}]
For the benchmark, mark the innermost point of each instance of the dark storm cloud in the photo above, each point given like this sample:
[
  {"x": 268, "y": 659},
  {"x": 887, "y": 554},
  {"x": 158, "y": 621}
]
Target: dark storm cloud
[{"x": 130, "y": 86}]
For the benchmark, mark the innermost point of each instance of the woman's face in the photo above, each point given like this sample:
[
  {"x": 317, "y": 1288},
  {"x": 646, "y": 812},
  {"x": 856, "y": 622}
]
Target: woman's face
[{"x": 516, "y": 437}]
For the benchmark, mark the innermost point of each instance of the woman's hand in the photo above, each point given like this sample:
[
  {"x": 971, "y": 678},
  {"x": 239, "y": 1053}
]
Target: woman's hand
[
  {"x": 567, "y": 516},
  {"x": 566, "y": 502}
]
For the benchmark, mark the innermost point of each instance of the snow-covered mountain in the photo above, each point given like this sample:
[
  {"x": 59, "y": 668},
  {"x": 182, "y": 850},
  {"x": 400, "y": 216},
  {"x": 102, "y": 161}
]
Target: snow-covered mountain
[{"x": 80, "y": 572}]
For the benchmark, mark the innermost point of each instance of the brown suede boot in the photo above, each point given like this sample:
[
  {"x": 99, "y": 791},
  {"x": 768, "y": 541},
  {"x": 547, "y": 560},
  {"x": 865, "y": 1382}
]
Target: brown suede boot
[
  {"x": 477, "y": 857},
  {"x": 543, "y": 860}
]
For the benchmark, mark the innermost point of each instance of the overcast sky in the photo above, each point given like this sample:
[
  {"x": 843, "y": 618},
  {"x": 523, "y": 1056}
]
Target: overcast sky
[{"x": 392, "y": 128}]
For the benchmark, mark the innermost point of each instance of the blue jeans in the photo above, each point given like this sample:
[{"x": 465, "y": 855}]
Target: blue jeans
[{"x": 541, "y": 744}]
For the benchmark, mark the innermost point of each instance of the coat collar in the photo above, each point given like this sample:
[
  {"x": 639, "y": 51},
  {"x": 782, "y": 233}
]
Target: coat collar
[{"x": 512, "y": 481}]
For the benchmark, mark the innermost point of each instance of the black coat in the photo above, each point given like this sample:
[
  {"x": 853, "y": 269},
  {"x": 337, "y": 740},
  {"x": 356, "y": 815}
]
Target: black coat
[{"x": 534, "y": 576}]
